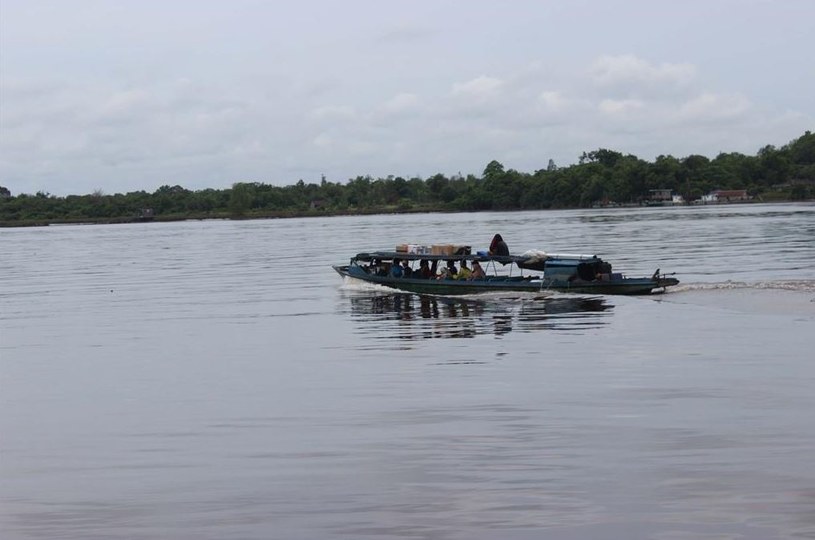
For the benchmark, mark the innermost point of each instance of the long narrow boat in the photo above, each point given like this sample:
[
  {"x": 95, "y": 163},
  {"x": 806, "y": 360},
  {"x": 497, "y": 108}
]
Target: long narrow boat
[{"x": 557, "y": 272}]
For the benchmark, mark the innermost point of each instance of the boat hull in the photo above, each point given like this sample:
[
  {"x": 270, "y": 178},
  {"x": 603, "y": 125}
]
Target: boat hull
[
  {"x": 443, "y": 286},
  {"x": 619, "y": 286}
]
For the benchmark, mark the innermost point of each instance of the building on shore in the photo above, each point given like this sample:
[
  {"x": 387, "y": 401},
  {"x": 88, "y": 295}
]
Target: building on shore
[{"x": 719, "y": 196}]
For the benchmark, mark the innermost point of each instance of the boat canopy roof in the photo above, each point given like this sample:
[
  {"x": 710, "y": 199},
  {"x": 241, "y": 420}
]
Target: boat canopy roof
[
  {"x": 523, "y": 259},
  {"x": 368, "y": 256}
]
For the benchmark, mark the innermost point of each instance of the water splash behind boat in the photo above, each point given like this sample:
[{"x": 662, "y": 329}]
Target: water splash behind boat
[{"x": 807, "y": 286}]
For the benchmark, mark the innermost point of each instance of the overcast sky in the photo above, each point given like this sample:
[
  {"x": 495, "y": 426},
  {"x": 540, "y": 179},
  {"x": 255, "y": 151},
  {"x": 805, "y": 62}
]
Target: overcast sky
[{"x": 122, "y": 96}]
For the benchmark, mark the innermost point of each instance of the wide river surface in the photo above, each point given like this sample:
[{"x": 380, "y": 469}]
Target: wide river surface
[{"x": 218, "y": 380}]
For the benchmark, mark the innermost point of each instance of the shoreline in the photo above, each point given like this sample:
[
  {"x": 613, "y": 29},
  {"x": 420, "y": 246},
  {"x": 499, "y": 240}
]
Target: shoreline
[{"x": 286, "y": 214}]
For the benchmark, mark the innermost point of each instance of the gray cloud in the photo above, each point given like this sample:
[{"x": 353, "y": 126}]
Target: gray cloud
[{"x": 122, "y": 97}]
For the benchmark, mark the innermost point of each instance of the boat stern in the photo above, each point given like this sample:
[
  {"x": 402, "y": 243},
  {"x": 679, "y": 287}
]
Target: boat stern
[{"x": 663, "y": 282}]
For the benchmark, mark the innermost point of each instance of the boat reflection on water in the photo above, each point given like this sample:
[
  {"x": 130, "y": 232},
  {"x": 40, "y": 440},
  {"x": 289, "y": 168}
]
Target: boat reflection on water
[{"x": 409, "y": 316}]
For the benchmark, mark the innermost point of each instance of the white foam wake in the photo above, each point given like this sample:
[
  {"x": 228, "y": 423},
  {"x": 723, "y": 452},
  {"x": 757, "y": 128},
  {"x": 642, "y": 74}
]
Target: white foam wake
[{"x": 806, "y": 285}]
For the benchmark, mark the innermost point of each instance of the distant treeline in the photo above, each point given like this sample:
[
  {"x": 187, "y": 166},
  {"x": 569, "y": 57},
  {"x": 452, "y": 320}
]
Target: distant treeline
[{"x": 601, "y": 176}]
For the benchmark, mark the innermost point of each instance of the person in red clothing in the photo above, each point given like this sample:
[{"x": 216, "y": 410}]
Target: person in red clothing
[
  {"x": 498, "y": 246},
  {"x": 424, "y": 271}
]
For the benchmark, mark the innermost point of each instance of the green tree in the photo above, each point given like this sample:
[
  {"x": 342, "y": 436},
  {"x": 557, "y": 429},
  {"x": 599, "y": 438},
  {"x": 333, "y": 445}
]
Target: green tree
[
  {"x": 239, "y": 200},
  {"x": 494, "y": 169}
]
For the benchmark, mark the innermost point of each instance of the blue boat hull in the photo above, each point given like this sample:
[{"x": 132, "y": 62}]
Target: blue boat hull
[{"x": 619, "y": 286}]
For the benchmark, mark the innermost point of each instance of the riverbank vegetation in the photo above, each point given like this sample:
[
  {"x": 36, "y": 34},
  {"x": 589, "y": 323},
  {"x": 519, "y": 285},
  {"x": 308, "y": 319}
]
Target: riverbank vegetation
[{"x": 601, "y": 177}]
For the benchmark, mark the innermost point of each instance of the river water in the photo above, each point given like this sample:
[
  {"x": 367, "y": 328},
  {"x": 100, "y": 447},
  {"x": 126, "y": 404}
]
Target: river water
[{"x": 216, "y": 379}]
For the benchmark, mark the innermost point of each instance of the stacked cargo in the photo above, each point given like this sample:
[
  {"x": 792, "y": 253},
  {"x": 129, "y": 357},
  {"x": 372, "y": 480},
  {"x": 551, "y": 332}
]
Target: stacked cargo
[
  {"x": 415, "y": 249},
  {"x": 435, "y": 249}
]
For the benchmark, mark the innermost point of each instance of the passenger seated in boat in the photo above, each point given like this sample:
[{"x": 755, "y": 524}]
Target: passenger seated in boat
[
  {"x": 451, "y": 269},
  {"x": 603, "y": 271},
  {"x": 448, "y": 272},
  {"x": 498, "y": 246},
  {"x": 478, "y": 272},
  {"x": 424, "y": 270},
  {"x": 407, "y": 271},
  {"x": 396, "y": 270},
  {"x": 463, "y": 272}
]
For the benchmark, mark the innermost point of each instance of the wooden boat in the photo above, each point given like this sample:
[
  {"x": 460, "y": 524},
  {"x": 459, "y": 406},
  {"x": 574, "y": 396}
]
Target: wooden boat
[{"x": 552, "y": 272}]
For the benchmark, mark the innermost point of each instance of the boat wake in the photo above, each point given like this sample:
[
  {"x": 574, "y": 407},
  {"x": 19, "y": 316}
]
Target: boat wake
[
  {"x": 806, "y": 285},
  {"x": 353, "y": 284},
  {"x": 794, "y": 298}
]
